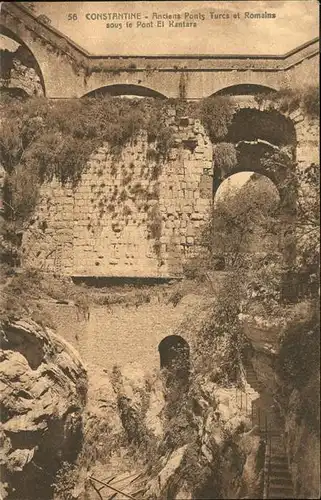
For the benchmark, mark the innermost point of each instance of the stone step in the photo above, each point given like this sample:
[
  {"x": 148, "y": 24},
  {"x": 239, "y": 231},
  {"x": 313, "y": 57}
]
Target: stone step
[
  {"x": 276, "y": 480},
  {"x": 281, "y": 495},
  {"x": 278, "y": 465},
  {"x": 252, "y": 378},
  {"x": 278, "y": 459},
  {"x": 279, "y": 475},
  {"x": 280, "y": 488}
]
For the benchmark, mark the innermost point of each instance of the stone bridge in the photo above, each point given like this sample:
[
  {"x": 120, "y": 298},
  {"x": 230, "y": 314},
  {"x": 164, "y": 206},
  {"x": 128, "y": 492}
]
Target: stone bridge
[
  {"x": 91, "y": 231},
  {"x": 68, "y": 71}
]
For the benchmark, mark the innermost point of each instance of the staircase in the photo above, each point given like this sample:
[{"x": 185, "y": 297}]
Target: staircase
[{"x": 277, "y": 479}]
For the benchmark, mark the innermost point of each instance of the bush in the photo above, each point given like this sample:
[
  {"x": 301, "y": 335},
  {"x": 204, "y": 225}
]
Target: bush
[
  {"x": 288, "y": 100},
  {"x": 225, "y": 157},
  {"x": 216, "y": 114},
  {"x": 57, "y": 138}
]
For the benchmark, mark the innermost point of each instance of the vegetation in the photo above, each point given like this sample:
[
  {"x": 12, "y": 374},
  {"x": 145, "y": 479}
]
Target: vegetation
[
  {"x": 240, "y": 220},
  {"x": 225, "y": 157},
  {"x": 45, "y": 139},
  {"x": 298, "y": 367},
  {"x": 288, "y": 100},
  {"x": 41, "y": 139},
  {"x": 216, "y": 114}
]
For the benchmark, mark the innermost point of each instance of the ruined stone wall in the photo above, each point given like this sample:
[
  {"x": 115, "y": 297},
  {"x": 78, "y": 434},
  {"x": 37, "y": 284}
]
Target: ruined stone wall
[
  {"x": 16, "y": 72},
  {"x": 134, "y": 215},
  {"x": 131, "y": 215}
]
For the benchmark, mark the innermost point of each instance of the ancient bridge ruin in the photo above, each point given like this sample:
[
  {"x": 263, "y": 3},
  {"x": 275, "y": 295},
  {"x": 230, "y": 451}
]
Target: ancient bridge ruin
[
  {"x": 97, "y": 230},
  {"x": 68, "y": 71}
]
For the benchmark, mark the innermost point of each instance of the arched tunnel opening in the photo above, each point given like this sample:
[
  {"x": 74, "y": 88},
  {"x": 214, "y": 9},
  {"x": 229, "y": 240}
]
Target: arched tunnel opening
[
  {"x": 248, "y": 204},
  {"x": 174, "y": 352},
  {"x": 263, "y": 142}
]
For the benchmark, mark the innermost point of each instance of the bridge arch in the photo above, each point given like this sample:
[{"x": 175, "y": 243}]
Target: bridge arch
[
  {"x": 244, "y": 89},
  {"x": 255, "y": 134},
  {"x": 270, "y": 125},
  {"x": 252, "y": 196},
  {"x": 124, "y": 89},
  {"x": 264, "y": 142},
  {"x": 31, "y": 56}
]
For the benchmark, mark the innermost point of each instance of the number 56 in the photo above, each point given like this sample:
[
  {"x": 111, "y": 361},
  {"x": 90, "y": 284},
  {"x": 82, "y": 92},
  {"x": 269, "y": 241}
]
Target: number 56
[{"x": 72, "y": 17}]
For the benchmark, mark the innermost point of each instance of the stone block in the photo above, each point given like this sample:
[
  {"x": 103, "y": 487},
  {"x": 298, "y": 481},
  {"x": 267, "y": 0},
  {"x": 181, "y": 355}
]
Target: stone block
[
  {"x": 197, "y": 216},
  {"x": 171, "y": 210},
  {"x": 188, "y": 209},
  {"x": 190, "y": 230}
]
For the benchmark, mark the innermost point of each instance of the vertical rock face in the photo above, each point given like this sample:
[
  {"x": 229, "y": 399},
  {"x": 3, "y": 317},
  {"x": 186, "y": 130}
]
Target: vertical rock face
[{"x": 43, "y": 393}]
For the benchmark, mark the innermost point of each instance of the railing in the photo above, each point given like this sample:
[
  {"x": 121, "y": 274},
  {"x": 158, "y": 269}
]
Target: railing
[
  {"x": 267, "y": 463},
  {"x": 241, "y": 396},
  {"x": 106, "y": 485},
  {"x": 243, "y": 402}
]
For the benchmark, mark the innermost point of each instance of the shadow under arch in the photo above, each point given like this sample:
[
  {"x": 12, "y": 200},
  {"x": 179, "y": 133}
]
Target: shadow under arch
[
  {"x": 15, "y": 92},
  {"x": 125, "y": 90},
  {"x": 10, "y": 34},
  {"x": 268, "y": 125},
  {"x": 241, "y": 89}
]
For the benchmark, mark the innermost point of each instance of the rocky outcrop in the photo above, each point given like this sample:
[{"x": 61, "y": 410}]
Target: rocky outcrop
[
  {"x": 43, "y": 394},
  {"x": 140, "y": 401},
  {"x": 123, "y": 413},
  {"x": 213, "y": 456},
  {"x": 302, "y": 441}
]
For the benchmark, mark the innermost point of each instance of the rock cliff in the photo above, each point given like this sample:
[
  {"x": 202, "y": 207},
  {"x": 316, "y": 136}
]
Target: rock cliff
[{"x": 43, "y": 394}]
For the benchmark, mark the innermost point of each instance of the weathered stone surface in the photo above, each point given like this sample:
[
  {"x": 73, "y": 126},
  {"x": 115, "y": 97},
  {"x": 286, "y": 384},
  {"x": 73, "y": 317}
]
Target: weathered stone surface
[
  {"x": 43, "y": 393},
  {"x": 115, "y": 212},
  {"x": 159, "y": 487},
  {"x": 143, "y": 395}
]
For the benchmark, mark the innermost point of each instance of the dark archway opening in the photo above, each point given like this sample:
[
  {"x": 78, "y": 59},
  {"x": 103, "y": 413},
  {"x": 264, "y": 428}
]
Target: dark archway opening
[
  {"x": 173, "y": 350},
  {"x": 125, "y": 90},
  {"x": 263, "y": 142},
  {"x": 15, "y": 92},
  {"x": 174, "y": 354},
  {"x": 252, "y": 125}
]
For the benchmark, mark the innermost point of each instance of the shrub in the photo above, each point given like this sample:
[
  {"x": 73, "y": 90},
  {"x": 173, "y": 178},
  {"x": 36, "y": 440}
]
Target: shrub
[
  {"x": 225, "y": 157},
  {"x": 288, "y": 100},
  {"x": 216, "y": 114}
]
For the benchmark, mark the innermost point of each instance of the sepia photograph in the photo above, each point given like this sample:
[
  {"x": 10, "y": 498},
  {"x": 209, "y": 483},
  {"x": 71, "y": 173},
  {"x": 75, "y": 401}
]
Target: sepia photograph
[{"x": 160, "y": 250}]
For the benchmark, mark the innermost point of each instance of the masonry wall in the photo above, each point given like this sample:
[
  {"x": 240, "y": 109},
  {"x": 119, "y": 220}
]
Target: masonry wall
[
  {"x": 131, "y": 215},
  {"x": 122, "y": 334}
]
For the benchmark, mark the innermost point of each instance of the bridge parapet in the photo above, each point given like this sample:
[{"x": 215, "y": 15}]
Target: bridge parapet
[{"x": 71, "y": 71}]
